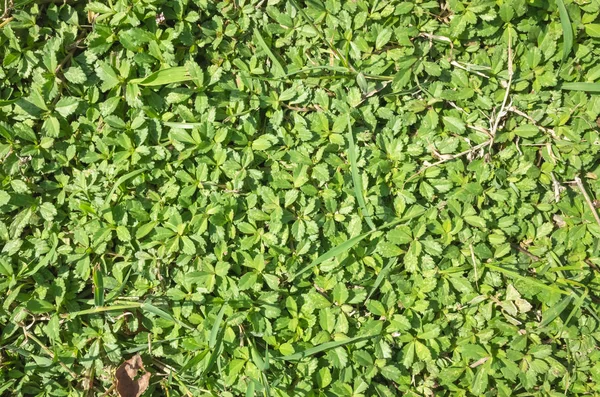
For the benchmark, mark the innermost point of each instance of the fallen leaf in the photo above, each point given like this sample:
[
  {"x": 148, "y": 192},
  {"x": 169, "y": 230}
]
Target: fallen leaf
[{"x": 129, "y": 384}]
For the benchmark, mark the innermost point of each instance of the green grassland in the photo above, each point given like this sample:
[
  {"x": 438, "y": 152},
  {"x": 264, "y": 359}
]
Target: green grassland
[{"x": 299, "y": 198}]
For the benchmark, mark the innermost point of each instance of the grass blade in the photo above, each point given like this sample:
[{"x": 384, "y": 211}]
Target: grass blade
[
  {"x": 118, "y": 307},
  {"x": 576, "y": 306},
  {"x": 549, "y": 315},
  {"x": 277, "y": 68},
  {"x": 116, "y": 292},
  {"x": 265, "y": 383},
  {"x": 7, "y": 386},
  {"x": 587, "y": 87},
  {"x": 335, "y": 251},
  {"x": 165, "y": 76},
  {"x": 44, "y": 262},
  {"x": 119, "y": 181},
  {"x": 250, "y": 388},
  {"x": 412, "y": 212},
  {"x": 565, "y": 21},
  {"x": 323, "y": 347},
  {"x": 321, "y": 36},
  {"x": 212, "y": 341},
  {"x": 356, "y": 179},
  {"x": 382, "y": 274},
  {"x": 216, "y": 351},
  {"x": 98, "y": 287},
  {"x": 163, "y": 314},
  {"x": 529, "y": 280},
  {"x": 194, "y": 361}
]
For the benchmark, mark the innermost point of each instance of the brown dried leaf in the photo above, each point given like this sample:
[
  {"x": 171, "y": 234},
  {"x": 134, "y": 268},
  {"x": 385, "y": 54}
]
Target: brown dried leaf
[{"x": 129, "y": 384}]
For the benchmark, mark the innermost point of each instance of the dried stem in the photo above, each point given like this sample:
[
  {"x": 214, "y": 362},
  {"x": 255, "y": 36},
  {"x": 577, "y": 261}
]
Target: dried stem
[
  {"x": 532, "y": 121},
  {"x": 448, "y": 158},
  {"x": 458, "y": 65},
  {"x": 70, "y": 53},
  {"x": 588, "y": 200},
  {"x": 522, "y": 250},
  {"x": 49, "y": 352}
]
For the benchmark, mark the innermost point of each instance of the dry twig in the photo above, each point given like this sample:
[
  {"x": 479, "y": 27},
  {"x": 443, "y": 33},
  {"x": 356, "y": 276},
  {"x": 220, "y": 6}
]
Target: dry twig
[
  {"x": 448, "y": 157},
  {"x": 587, "y": 198},
  {"x": 503, "y": 108},
  {"x": 532, "y": 121}
]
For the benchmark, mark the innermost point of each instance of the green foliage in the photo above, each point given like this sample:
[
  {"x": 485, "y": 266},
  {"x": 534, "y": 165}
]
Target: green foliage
[{"x": 300, "y": 198}]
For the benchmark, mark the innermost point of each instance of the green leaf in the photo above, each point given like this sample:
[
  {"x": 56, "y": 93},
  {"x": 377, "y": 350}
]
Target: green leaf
[
  {"x": 383, "y": 38},
  {"x": 526, "y": 130},
  {"x": 475, "y": 220},
  {"x": 454, "y": 124},
  {"x": 392, "y": 373},
  {"x": 185, "y": 126},
  {"x": 480, "y": 382},
  {"x": 66, "y": 106},
  {"x": 593, "y": 29},
  {"x": 108, "y": 76},
  {"x": 4, "y": 198},
  {"x": 38, "y": 306}
]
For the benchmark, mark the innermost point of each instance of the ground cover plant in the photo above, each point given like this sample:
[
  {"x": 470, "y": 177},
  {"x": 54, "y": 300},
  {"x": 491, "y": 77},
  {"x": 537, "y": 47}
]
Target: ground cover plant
[{"x": 299, "y": 198}]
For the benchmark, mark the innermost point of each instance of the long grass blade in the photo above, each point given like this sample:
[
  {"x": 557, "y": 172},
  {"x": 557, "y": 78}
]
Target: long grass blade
[
  {"x": 250, "y": 388},
  {"x": 98, "y": 280},
  {"x": 323, "y": 347},
  {"x": 277, "y": 68},
  {"x": 175, "y": 74},
  {"x": 413, "y": 212},
  {"x": 163, "y": 314},
  {"x": 119, "y": 181},
  {"x": 320, "y": 34},
  {"x": 192, "y": 362},
  {"x": 212, "y": 341},
  {"x": 216, "y": 352},
  {"x": 116, "y": 292},
  {"x": 118, "y": 307},
  {"x": 335, "y": 251},
  {"x": 529, "y": 280},
  {"x": 565, "y": 21},
  {"x": 265, "y": 383},
  {"x": 576, "y": 306},
  {"x": 587, "y": 87},
  {"x": 356, "y": 179},
  {"x": 44, "y": 262},
  {"x": 381, "y": 276},
  {"x": 549, "y": 315}
]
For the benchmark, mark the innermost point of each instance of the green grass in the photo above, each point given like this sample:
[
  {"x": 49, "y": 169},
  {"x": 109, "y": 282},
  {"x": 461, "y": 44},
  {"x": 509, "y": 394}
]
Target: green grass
[{"x": 303, "y": 198}]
